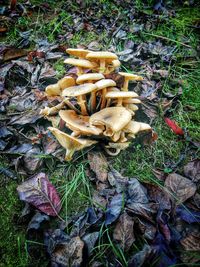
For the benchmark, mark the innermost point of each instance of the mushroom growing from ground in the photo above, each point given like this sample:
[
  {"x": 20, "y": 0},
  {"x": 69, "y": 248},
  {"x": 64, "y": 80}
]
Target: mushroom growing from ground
[
  {"x": 81, "y": 97},
  {"x": 70, "y": 143},
  {"x": 78, "y": 124},
  {"x": 80, "y": 91},
  {"x": 129, "y": 77},
  {"x": 120, "y": 96},
  {"x": 81, "y": 64},
  {"x": 113, "y": 118},
  {"x": 80, "y": 53},
  {"x": 103, "y": 58},
  {"x": 104, "y": 84},
  {"x": 91, "y": 77}
]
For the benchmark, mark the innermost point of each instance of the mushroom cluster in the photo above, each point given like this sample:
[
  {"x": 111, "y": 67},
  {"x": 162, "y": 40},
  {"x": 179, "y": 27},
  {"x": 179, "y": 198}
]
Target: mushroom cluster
[{"x": 92, "y": 107}]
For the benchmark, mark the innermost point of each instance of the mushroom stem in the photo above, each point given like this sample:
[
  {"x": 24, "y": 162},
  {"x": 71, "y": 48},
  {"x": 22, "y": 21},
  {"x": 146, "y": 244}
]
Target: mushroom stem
[
  {"x": 93, "y": 101},
  {"x": 81, "y": 103},
  {"x": 103, "y": 98},
  {"x": 125, "y": 86},
  {"x": 119, "y": 102},
  {"x": 109, "y": 152},
  {"x": 70, "y": 105},
  {"x": 79, "y": 71},
  {"x": 102, "y": 65},
  {"x": 53, "y": 110}
]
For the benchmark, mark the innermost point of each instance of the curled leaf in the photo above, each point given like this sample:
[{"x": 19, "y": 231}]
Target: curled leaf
[{"x": 174, "y": 127}]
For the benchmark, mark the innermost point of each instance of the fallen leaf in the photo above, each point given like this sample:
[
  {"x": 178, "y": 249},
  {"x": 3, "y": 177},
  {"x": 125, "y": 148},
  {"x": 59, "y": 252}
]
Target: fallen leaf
[
  {"x": 192, "y": 170},
  {"x": 98, "y": 165},
  {"x": 192, "y": 241},
  {"x": 174, "y": 127},
  {"x": 143, "y": 257},
  {"x": 188, "y": 215},
  {"x": 39, "y": 192},
  {"x": 179, "y": 187},
  {"x": 36, "y": 221},
  {"x": 123, "y": 231},
  {"x": 114, "y": 209},
  {"x": 90, "y": 240}
]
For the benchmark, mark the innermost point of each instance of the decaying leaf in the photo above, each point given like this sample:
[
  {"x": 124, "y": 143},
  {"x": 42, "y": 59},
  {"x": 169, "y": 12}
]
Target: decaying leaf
[
  {"x": 39, "y": 192},
  {"x": 192, "y": 170},
  {"x": 114, "y": 208},
  {"x": 179, "y": 187},
  {"x": 123, "y": 232},
  {"x": 99, "y": 165}
]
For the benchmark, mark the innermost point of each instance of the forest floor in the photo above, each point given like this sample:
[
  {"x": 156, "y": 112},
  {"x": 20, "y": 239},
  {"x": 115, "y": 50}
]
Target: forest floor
[{"x": 159, "y": 42}]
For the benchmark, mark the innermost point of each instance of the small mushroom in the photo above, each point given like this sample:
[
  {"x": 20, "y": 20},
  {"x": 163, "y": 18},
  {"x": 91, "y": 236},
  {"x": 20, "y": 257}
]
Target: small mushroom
[
  {"x": 65, "y": 82},
  {"x": 103, "y": 58},
  {"x": 103, "y": 85},
  {"x": 90, "y": 77},
  {"x": 133, "y": 127},
  {"x": 80, "y": 64},
  {"x": 120, "y": 96},
  {"x": 70, "y": 143},
  {"x": 80, "y": 53},
  {"x": 78, "y": 124},
  {"x": 129, "y": 77},
  {"x": 113, "y": 118},
  {"x": 80, "y": 91},
  {"x": 53, "y": 90},
  {"x": 113, "y": 65},
  {"x": 113, "y": 149},
  {"x": 131, "y": 101},
  {"x": 53, "y": 110}
]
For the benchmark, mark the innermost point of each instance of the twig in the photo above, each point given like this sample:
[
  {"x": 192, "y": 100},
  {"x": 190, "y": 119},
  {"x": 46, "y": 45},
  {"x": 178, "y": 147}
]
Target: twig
[{"x": 168, "y": 39}]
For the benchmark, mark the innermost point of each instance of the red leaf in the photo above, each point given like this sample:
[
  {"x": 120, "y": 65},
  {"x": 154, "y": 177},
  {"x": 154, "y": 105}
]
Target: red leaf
[
  {"x": 39, "y": 192},
  {"x": 173, "y": 125}
]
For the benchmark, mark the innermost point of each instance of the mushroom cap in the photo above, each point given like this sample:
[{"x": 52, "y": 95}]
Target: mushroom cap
[
  {"x": 78, "y": 52},
  {"x": 132, "y": 101},
  {"x": 108, "y": 56},
  {"x": 79, "y": 123},
  {"x": 131, "y": 76},
  {"x": 113, "y": 89},
  {"x": 70, "y": 143},
  {"x": 84, "y": 63},
  {"x": 134, "y": 127},
  {"x": 114, "y": 118},
  {"x": 65, "y": 82},
  {"x": 105, "y": 83},
  {"x": 132, "y": 107},
  {"x": 116, "y": 63},
  {"x": 53, "y": 90},
  {"x": 79, "y": 90},
  {"x": 89, "y": 77},
  {"x": 121, "y": 94}
]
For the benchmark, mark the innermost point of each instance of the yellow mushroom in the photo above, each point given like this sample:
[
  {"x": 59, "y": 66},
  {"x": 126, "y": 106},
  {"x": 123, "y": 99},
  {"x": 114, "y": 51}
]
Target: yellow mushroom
[
  {"x": 129, "y": 77},
  {"x": 70, "y": 143}
]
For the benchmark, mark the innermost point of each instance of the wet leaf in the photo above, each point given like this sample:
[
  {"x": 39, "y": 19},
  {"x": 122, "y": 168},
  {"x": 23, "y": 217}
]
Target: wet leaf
[
  {"x": 137, "y": 200},
  {"x": 114, "y": 209},
  {"x": 12, "y": 53},
  {"x": 39, "y": 192},
  {"x": 179, "y": 188},
  {"x": 142, "y": 257},
  {"x": 192, "y": 170},
  {"x": 90, "y": 240},
  {"x": 98, "y": 165},
  {"x": 174, "y": 127},
  {"x": 188, "y": 215},
  {"x": 192, "y": 241},
  {"x": 36, "y": 221},
  {"x": 123, "y": 231}
]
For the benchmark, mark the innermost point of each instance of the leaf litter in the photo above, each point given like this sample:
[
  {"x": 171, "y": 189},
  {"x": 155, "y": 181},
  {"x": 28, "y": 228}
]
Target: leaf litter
[{"x": 166, "y": 216}]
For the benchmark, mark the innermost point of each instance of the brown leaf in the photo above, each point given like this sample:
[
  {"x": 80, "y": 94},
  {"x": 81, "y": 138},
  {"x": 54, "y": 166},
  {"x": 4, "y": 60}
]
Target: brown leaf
[
  {"x": 69, "y": 254},
  {"x": 12, "y": 53},
  {"x": 123, "y": 232},
  {"x": 98, "y": 165},
  {"x": 192, "y": 241},
  {"x": 179, "y": 187},
  {"x": 192, "y": 170}
]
